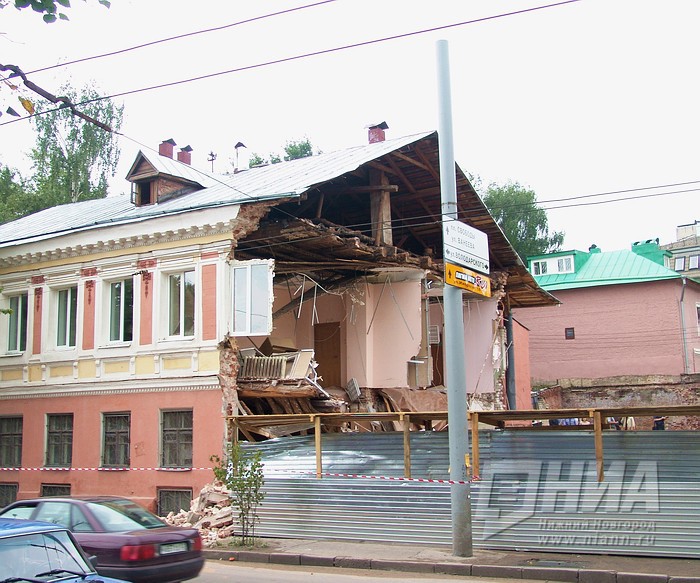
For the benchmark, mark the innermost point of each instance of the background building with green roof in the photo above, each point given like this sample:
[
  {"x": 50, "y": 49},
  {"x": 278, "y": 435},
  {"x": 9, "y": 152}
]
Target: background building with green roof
[{"x": 626, "y": 319}]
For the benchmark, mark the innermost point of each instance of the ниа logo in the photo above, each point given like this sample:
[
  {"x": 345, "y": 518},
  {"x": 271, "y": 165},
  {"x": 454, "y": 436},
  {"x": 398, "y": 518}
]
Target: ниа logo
[{"x": 513, "y": 492}]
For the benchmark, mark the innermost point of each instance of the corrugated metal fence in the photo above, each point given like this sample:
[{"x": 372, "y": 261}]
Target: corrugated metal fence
[{"x": 538, "y": 491}]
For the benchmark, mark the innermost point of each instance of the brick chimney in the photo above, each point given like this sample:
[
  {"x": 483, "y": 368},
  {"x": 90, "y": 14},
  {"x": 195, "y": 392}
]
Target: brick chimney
[
  {"x": 185, "y": 155},
  {"x": 376, "y": 132},
  {"x": 166, "y": 148}
]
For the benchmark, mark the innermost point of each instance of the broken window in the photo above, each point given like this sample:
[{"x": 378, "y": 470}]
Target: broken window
[{"x": 252, "y": 298}]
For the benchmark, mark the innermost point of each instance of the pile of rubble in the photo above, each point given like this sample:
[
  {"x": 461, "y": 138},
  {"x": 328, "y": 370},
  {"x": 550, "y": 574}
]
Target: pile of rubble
[{"x": 211, "y": 513}]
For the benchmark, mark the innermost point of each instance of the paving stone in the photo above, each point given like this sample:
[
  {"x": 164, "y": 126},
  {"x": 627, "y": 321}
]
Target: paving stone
[
  {"x": 454, "y": 568},
  {"x": 596, "y": 576},
  {"x": 641, "y": 578},
  {"x": 497, "y": 571},
  {"x": 316, "y": 561},
  {"x": 410, "y": 566},
  {"x": 550, "y": 573},
  {"x": 352, "y": 563}
]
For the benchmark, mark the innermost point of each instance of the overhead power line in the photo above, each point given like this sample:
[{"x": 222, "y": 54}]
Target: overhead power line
[
  {"x": 314, "y": 54},
  {"x": 181, "y": 36}
]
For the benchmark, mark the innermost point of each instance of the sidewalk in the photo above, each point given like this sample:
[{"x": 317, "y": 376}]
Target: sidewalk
[{"x": 484, "y": 563}]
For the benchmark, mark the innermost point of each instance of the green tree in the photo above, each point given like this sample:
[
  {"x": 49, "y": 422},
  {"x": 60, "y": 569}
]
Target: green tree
[
  {"x": 295, "y": 149},
  {"x": 13, "y": 195},
  {"x": 73, "y": 159},
  {"x": 242, "y": 473},
  {"x": 47, "y": 8},
  {"x": 515, "y": 209}
]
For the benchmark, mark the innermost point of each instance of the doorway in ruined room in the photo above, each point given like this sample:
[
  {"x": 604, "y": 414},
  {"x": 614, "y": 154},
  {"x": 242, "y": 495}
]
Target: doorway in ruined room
[{"x": 327, "y": 353}]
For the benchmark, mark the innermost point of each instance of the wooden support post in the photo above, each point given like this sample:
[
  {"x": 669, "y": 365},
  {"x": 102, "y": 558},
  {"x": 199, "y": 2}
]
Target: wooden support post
[
  {"x": 598, "y": 432},
  {"x": 406, "y": 419},
  {"x": 474, "y": 417},
  {"x": 317, "y": 438},
  {"x": 235, "y": 431}
]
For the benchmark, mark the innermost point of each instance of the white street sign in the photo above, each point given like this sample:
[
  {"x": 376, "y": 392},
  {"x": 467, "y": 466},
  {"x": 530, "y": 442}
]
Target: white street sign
[{"x": 465, "y": 245}]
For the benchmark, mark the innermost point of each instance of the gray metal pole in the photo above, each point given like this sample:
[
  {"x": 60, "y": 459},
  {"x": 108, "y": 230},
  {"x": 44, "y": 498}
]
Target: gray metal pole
[{"x": 454, "y": 329}]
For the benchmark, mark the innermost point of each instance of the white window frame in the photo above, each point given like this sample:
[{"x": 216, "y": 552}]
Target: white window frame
[
  {"x": 19, "y": 319},
  {"x": 565, "y": 264},
  {"x": 538, "y": 265},
  {"x": 679, "y": 263},
  {"x": 195, "y": 317},
  {"x": 251, "y": 290},
  {"x": 71, "y": 317},
  {"x": 108, "y": 287},
  {"x": 694, "y": 262}
]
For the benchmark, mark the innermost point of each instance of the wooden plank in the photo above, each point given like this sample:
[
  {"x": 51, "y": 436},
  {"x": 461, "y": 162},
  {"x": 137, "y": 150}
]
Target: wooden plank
[
  {"x": 406, "y": 419},
  {"x": 474, "y": 418},
  {"x": 317, "y": 441},
  {"x": 598, "y": 436}
]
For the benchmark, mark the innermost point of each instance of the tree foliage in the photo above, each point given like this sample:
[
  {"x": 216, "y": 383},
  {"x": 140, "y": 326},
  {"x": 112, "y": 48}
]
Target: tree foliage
[
  {"x": 74, "y": 159},
  {"x": 293, "y": 150},
  {"x": 242, "y": 473},
  {"x": 515, "y": 209},
  {"x": 13, "y": 195},
  {"x": 49, "y": 9}
]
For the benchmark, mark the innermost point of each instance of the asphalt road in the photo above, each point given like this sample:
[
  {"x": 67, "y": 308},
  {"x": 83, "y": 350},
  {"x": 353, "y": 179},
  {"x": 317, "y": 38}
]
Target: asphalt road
[{"x": 234, "y": 572}]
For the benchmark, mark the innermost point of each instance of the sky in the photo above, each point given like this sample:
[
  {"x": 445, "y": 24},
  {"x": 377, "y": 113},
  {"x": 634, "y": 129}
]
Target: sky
[{"x": 578, "y": 99}]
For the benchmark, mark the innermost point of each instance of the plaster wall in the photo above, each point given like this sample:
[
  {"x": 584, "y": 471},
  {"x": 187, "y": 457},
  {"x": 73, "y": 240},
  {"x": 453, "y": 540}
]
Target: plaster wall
[
  {"x": 521, "y": 344},
  {"x": 479, "y": 316},
  {"x": 632, "y": 329},
  {"x": 142, "y": 481},
  {"x": 479, "y": 327}
]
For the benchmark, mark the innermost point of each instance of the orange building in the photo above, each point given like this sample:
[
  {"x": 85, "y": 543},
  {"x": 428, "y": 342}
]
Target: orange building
[{"x": 134, "y": 323}]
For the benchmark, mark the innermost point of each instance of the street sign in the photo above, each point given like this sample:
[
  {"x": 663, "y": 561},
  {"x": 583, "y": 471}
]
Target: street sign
[
  {"x": 465, "y": 245},
  {"x": 467, "y": 279}
]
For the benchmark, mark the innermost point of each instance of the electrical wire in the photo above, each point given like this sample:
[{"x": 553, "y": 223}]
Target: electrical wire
[
  {"x": 308, "y": 55},
  {"x": 181, "y": 36}
]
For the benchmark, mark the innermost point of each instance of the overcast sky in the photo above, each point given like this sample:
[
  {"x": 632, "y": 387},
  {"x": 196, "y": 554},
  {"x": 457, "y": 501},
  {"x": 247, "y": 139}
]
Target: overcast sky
[{"x": 589, "y": 97}]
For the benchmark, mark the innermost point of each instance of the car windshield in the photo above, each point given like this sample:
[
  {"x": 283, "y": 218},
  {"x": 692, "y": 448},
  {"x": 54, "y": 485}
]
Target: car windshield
[
  {"x": 34, "y": 556},
  {"x": 122, "y": 515}
]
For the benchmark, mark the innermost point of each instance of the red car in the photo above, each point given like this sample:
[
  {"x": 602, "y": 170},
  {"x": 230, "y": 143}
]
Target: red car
[{"x": 128, "y": 541}]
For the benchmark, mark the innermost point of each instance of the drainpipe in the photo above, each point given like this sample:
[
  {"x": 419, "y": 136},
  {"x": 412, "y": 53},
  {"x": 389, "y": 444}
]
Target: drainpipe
[
  {"x": 510, "y": 367},
  {"x": 683, "y": 331}
]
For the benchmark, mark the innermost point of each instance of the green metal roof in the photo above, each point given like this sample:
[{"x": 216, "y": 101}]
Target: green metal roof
[{"x": 611, "y": 268}]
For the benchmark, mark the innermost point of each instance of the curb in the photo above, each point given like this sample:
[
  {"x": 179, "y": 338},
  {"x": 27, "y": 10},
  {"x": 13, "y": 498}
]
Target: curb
[{"x": 456, "y": 568}]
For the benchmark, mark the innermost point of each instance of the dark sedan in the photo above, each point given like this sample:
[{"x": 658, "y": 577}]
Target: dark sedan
[{"x": 128, "y": 541}]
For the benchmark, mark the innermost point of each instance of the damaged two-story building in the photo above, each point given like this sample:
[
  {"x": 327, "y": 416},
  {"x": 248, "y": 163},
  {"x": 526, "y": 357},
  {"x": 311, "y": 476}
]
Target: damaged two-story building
[{"x": 136, "y": 324}]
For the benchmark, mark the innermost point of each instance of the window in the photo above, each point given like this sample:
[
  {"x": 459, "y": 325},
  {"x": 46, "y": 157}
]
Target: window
[
  {"x": 67, "y": 316},
  {"x": 121, "y": 310},
  {"x": 17, "y": 336},
  {"x": 569, "y": 333},
  {"x": 55, "y": 490},
  {"x": 63, "y": 513},
  {"x": 10, "y": 442},
  {"x": 252, "y": 293},
  {"x": 181, "y": 296},
  {"x": 564, "y": 265},
  {"x": 173, "y": 501},
  {"x": 539, "y": 267},
  {"x": 694, "y": 262},
  {"x": 176, "y": 438},
  {"x": 679, "y": 264},
  {"x": 115, "y": 439},
  {"x": 59, "y": 440},
  {"x": 8, "y": 494}
]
